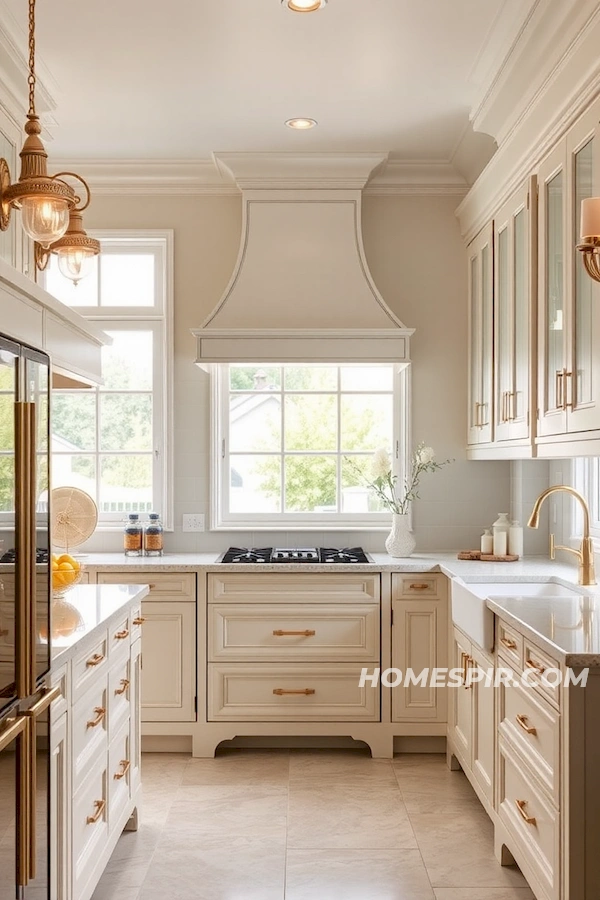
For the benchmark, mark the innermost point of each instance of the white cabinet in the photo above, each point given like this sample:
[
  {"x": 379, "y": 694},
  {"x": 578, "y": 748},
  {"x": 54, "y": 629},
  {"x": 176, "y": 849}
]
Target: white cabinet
[
  {"x": 60, "y": 792},
  {"x": 569, "y": 312},
  {"x": 168, "y": 680},
  {"x": 169, "y": 654},
  {"x": 419, "y": 643},
  {"x": 481, "y": 332},
  {"x": 514, "y": 324},
  {"x": 472, "y": 731}
]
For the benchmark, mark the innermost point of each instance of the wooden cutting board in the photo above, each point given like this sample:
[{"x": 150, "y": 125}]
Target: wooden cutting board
[{"x": 486, "y": 557}]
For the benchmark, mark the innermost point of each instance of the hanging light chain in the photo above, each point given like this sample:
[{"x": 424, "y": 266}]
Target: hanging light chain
[{"x": 31, "y": 76}]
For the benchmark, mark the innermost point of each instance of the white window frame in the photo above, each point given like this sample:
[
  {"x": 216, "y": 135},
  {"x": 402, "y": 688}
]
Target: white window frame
[
  {"x": 157, "y": 318},
  {"x": 586, "y": 480},
  {"x": 224, "y": 520}
]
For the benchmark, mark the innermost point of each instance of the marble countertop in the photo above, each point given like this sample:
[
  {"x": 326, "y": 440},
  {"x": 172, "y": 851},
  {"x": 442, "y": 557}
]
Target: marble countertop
[
  {"x": 85, "y": 611},
  {"x": 566, "y": 627}
]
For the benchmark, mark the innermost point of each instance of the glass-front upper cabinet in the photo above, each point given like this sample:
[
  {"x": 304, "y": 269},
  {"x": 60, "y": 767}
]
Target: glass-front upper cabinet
[
  {"x": 481, "y": 331},
  {"x": 569, "y": 313},
  {"x": 514, "y": 285}
]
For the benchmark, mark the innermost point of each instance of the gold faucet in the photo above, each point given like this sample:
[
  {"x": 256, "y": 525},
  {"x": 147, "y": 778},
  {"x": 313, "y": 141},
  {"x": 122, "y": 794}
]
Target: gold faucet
[{"x": 585, "y": 554}]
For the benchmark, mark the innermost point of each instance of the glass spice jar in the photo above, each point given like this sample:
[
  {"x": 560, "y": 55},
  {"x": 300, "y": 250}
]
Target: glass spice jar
[
  {"x": 132, "y": 536},
  {"x": 153, "y": 536}
]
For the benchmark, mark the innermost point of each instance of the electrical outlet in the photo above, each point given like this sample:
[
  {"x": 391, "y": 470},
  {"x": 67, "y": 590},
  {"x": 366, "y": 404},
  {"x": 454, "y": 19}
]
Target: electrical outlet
[{"x": 193, "y": 522}]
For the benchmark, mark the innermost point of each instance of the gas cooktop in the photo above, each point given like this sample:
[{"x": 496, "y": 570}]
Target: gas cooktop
[
  {"x": 294, "y": 555},
  {"x": 41, "y": 555}
]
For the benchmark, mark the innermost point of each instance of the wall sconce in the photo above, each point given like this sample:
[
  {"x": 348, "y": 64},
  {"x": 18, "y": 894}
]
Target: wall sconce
[{"x": 590, "y": 236}]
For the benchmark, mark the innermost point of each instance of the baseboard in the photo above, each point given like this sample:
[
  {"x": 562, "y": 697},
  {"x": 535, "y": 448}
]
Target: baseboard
[
  {"x": 158, "y": 743},
  {"x": 298, "y": 742}
]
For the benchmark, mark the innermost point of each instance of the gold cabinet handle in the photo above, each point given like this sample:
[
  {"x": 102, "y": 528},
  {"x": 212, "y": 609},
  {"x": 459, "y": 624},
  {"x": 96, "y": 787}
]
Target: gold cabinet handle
[
  {"x": 4, "y": 632},
  {"x": 100, "y": 713},
  {"x": 139, "y": 620},
  {"x": 123, "y": 688},
  {"x": 508, "y": 643},
  {"x": 100, "y": 806},
  {"x": 559, "y": 390},
  {"x": 307, "y": 633},
  {"x": 96, "y": 659},
  {"x": 152, "y": 587},
  {"x": 522, "y": 721},
  {"x": 521, "y": 804},
  {"x": 125, "y": 765},
  {"x": 568, "y": 403},
  {"x": 538, "y": 667},
  {"x": 121, "y": 635},
  {"x": 418, "y": 586},
  {"x": 305, "y": 691},
  {"x": 469, "y": 664},
  {"x": 512, "y": 406}
]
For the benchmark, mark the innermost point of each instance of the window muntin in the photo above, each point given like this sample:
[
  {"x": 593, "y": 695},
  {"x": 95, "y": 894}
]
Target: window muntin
[
  {"x": 112, "y": 441},
  {"x": 296, "y": 443}
]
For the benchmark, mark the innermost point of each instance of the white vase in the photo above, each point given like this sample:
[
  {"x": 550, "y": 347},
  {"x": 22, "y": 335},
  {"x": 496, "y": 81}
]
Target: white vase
[{"x": 400, "y": 541}]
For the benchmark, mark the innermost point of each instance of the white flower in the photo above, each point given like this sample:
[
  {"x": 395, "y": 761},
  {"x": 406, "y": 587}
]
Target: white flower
[
  {"x": 381, "y": 464},
  {"x": 426, "y": 455}
]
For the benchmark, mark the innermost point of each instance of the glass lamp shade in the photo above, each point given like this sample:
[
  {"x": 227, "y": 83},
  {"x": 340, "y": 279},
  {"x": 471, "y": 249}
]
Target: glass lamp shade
[
  {"x": 44, "y": 219},
  {"x": 75, "y": 262},
  {"x": 304, "y": 5}
]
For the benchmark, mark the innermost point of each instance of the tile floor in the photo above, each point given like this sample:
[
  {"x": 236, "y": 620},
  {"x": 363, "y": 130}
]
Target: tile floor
[{"x": 308, "y": 825}]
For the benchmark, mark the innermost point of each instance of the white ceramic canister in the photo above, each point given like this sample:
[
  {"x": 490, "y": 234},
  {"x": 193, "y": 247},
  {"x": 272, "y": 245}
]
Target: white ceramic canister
[
  {"x": 500, "y": 531},
  {"x": 515, "y": 539},
  {"x": 487, "y": 542}
]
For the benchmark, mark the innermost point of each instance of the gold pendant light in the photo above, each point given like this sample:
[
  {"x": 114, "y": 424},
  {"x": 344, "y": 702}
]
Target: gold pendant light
[
  {"x": 75, "y": 250},
  {"x": 45, "y": 200}
]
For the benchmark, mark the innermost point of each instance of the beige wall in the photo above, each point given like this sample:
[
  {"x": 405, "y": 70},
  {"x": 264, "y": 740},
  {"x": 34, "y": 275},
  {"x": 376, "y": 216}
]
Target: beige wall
[{"x": 417, "y": 259}]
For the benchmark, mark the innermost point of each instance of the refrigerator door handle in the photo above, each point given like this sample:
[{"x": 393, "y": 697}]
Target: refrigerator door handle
[
  {"x": 19, "y": 727},
  {"x": 13, "y": 729},
  {"x": 48, "y": 695},
  {"x": 24, "y": 525}
]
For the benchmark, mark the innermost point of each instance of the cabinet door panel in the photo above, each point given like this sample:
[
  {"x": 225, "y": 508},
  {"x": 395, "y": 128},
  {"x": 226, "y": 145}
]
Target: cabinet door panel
[
  {"x": 461, "y": 699},
  {"x": 169, "y": 661},
  {"x": 583, "y": 151},
  {"x": 419, "y": 643},
  {"x": 483, "y": 725},
  {"x": 481, "y": 311},
  {"x": 553, "y": 315},
  {"x": 60, "y": 799}
]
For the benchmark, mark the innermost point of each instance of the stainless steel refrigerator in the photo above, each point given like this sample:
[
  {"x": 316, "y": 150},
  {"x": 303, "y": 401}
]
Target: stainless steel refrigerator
[{"x": 25, "y": 598}]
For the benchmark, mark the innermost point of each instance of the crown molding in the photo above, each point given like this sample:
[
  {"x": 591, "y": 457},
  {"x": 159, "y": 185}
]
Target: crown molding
[
  {"x": 14, "y": 69},
  {"x": 320, "y": 171},
  {"x": 567, "y": 91}
]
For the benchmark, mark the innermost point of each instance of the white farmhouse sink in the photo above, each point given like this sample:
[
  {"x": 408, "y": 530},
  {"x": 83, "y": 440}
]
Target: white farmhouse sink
[{"x": 471, "y": 615}]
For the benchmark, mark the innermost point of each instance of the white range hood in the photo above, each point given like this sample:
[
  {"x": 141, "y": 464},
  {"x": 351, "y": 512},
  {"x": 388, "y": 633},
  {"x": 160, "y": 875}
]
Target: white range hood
[{"x": 301, "y": 289}]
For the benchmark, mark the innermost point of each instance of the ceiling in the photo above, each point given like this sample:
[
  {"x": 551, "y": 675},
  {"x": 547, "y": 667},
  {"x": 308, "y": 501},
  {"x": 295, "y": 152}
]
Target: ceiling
[{"x": 155, "y": 80}]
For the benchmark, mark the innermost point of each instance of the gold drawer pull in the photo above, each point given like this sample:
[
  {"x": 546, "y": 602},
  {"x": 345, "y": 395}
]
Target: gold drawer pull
[
  {"x": 152, "y": 587},
  {"x": 100, "y": 713},
  {"x": 539, "y": 668},
  {"x": 306, "y": 633},
  {"x": 125, "y": 764},
  {"x": 121, "y": 690},
  {"x": 100, "y": 806},
  {"x": 521, "y": 804},
  {"x": 139, "y": 620},
  {"x": 419, "y": 587},
  {"x": 522, "y": 721},
  {"x": 96, "y": 659},
  {"x": 121, "y": 635},
  {"x": 305, "y": 691},
  {"x": 4, "y": 632},
  {"x": 508, "y": 643}
]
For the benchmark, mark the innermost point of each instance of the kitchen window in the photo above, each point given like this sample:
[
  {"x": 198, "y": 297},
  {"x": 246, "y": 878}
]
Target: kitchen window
[
  {"x": 586, "y": 480},
  {"x": 294, "y": 443},
  {"x": 111, "y": 441}
]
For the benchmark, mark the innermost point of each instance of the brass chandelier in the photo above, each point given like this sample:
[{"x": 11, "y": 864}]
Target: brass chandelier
[{"x": 49, "y": 206}]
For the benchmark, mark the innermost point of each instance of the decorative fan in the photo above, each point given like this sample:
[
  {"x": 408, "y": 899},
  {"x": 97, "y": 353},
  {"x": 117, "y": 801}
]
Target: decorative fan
[{"x": 74, "y": 517}]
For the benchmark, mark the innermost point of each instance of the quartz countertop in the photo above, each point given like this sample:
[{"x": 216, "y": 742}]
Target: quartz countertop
[
  {"x": 90, "y": 608},
  {"x": 567, "y": 627},
  {"x": 533, "y": 568}
]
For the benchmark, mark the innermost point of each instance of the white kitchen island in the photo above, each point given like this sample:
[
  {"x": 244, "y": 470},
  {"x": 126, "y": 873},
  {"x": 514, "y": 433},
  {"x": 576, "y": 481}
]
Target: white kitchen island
[{"x": 95, "y": 749}]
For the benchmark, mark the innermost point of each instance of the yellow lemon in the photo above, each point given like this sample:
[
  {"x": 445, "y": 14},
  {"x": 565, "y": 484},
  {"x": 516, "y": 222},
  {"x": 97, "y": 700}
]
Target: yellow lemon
[{"x": 69, "y": 559}]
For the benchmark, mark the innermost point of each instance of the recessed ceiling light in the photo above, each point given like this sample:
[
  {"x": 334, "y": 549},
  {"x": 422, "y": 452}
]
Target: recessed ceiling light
[
  {"x": 304, "y": 5},
  {"x": 301, "y": 124}
]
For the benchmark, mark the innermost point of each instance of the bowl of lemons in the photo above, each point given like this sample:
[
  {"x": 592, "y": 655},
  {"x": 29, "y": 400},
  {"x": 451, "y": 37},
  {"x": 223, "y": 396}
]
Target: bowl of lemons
[{"x": 66, "y": 573}]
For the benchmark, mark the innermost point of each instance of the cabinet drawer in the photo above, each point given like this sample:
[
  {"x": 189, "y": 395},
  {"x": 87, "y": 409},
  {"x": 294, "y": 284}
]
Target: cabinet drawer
[
  {"x": 119, "y": 635},
  {"x": 418, "y": 586},
  {"x": 273, "y": 587},
  {"x": 178, "y": 585},
  {"x": 89, "y": 728},
  {"x": 532, "y": 725},
  {"x": 89, "y": 666},
  {"x": 89, "y": 825},
  {"x": 119, "y": 691},
  {"x": 288, "y": 632},
  {"x": 531, "y": 819},
  {"x": 290, "y": 694},
  {"x": 119, "y": 774},
  {"x": 536, "y": 663},
  {"x": 510, "y": 643}
]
